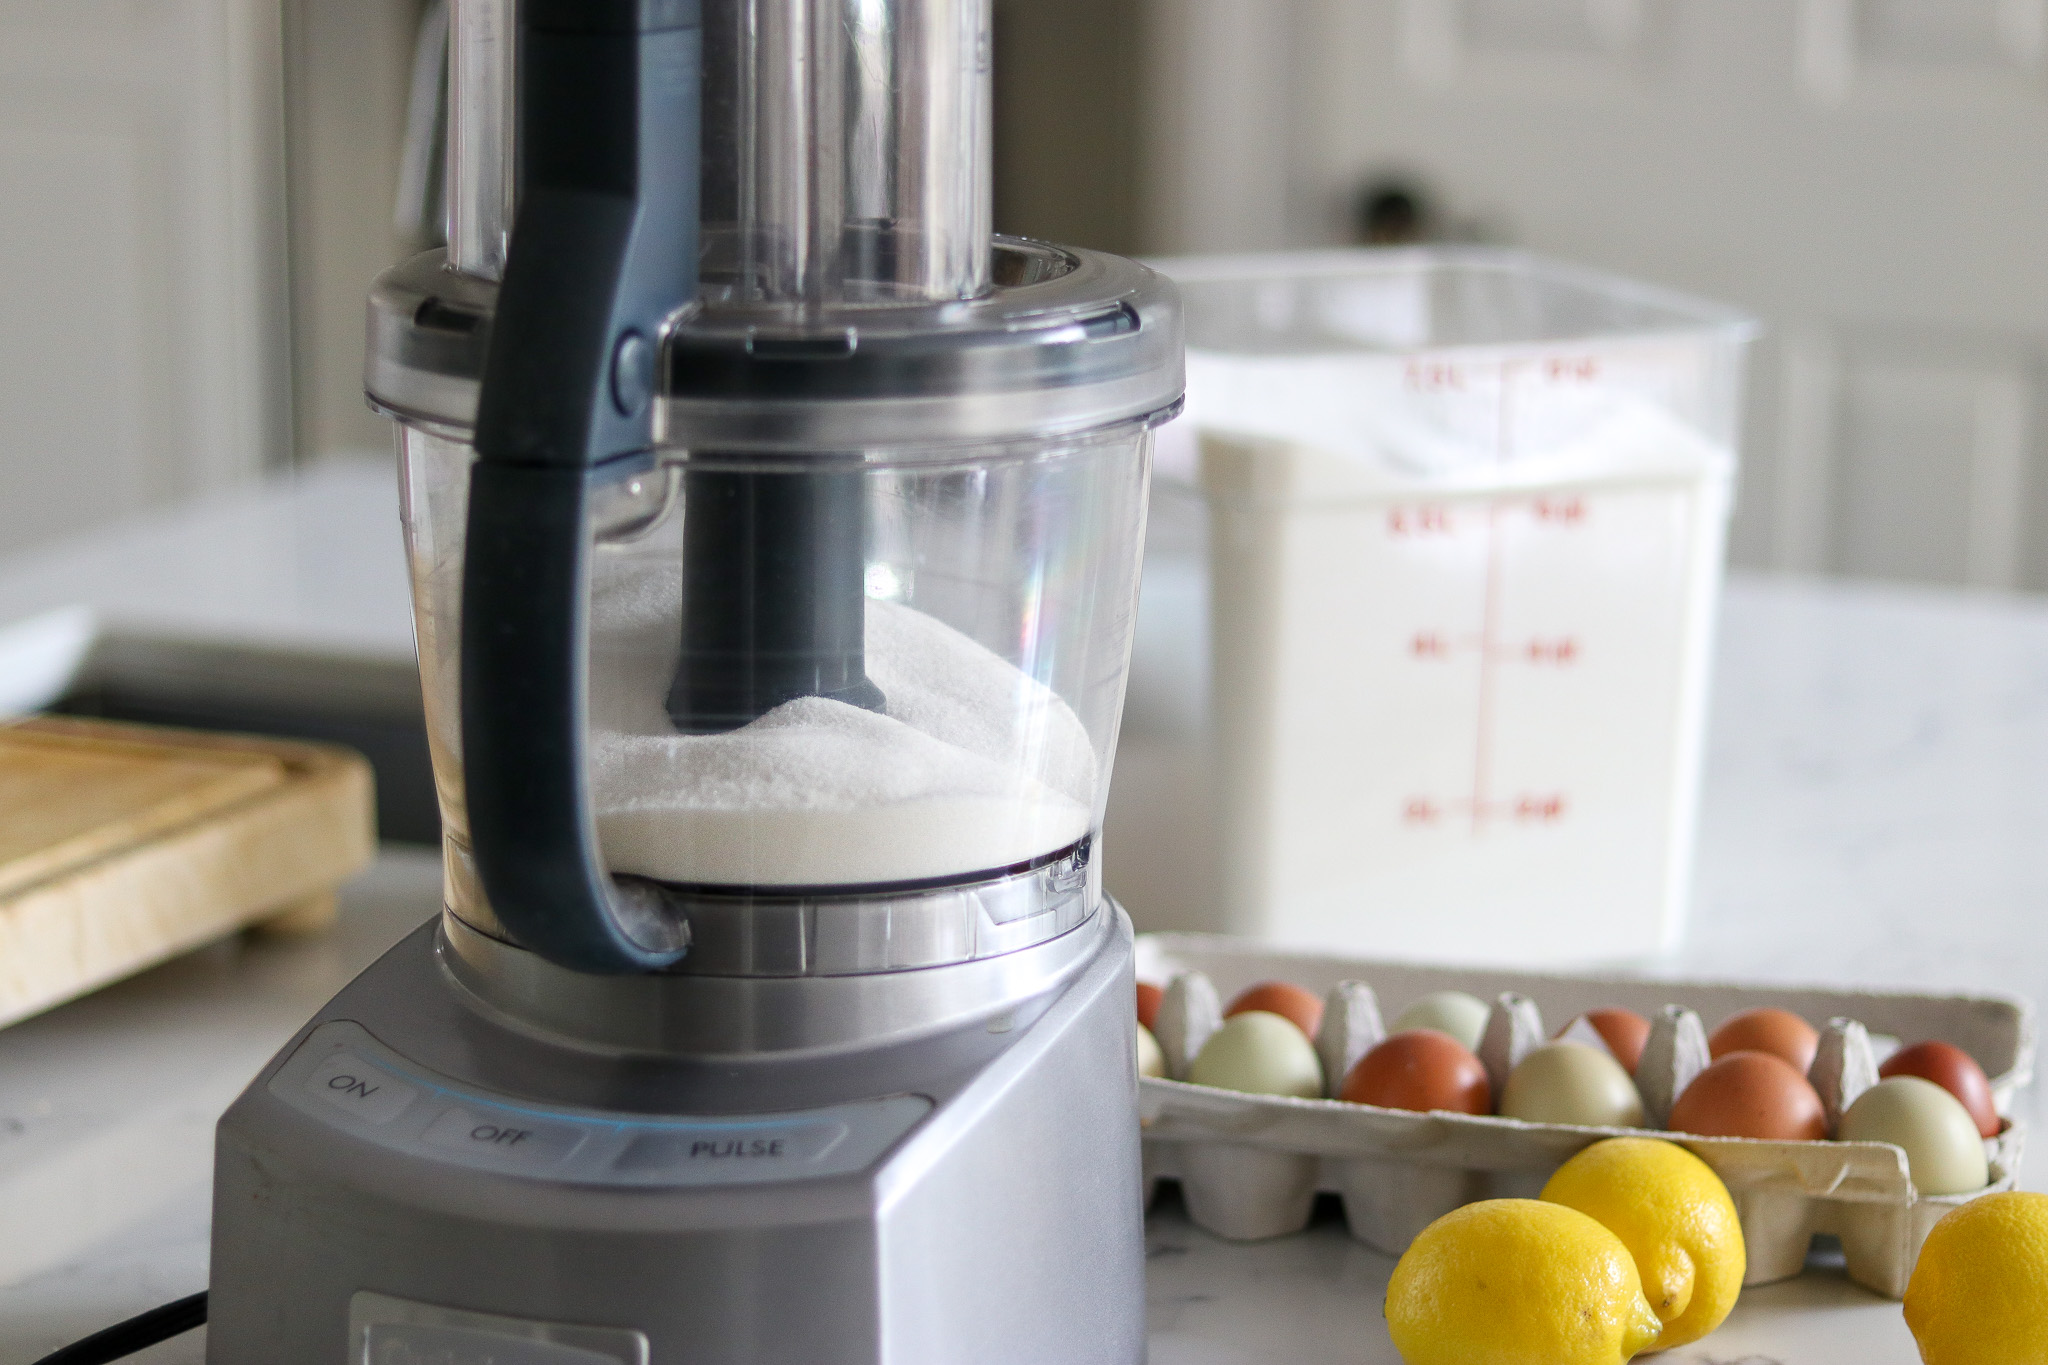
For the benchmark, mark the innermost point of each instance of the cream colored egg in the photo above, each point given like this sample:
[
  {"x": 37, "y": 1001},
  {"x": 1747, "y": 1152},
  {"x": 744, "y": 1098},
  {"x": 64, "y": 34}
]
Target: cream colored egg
[
  {"x": 1944, "y": 1153},
  {"x": 1151, "y": 1061},
  {"x": 1572, "y": 1083},
  {"x": 1260, "y": 1054}
]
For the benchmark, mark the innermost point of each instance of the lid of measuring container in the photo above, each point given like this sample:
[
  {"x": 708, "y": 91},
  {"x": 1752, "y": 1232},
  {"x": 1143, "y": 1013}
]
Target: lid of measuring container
[{"x": 1068, "y": 340}]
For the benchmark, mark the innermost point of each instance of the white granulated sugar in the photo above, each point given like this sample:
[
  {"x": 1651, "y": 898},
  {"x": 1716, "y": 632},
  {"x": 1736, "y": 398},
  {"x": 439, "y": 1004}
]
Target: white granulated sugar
[{"x": 974, "y": 766}]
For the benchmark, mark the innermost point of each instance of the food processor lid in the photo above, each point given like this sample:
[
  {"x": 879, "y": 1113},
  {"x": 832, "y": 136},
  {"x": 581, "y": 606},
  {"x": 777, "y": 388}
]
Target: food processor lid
[
  {"x": 429, "y": 331},
  {"x": 1067, "y": 340}
]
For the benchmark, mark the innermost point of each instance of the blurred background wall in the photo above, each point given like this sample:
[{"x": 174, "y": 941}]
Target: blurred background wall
[
  {"x": 348, "y": 78},
  {"x": 199, "y": 190},
  {"x": 144, "y": 354},
  {"x": 193, "y": 194},
  {"x": 1070, "y": 107}
]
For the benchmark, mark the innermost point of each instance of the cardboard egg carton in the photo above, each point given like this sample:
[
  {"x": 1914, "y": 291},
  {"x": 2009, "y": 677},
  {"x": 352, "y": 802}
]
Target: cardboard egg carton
[{"x": 1250, "y": 1166}]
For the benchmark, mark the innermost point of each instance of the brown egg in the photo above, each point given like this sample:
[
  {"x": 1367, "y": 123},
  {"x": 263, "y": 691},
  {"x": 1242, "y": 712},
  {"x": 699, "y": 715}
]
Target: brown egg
[
  {"x": 1624, "y": 1032},
  {"x": 1149, "y": 997},
  {"x": 1421, "y": 1070},
  {"x": 1284, "y": 999},
  {"x": 1955, "y": 1071},
  {"x": 1753, "y": 1095},
  {"x": 1778, "y": 1032}
]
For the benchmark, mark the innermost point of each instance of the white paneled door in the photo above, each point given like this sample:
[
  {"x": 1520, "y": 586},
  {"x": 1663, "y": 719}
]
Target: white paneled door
[
  {"x": 143, "y": 314},
  {"x": 1869, "y": 176}
]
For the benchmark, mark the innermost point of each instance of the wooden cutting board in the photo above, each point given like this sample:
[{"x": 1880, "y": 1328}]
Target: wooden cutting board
[{"x": 123, "y": 845}]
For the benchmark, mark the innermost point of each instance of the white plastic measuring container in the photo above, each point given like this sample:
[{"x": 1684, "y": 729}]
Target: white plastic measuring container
[{"x": 1465, "y": 512}]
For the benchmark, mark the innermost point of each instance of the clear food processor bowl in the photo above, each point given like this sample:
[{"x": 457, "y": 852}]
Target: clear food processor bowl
[{"x": 949, "y": 812}]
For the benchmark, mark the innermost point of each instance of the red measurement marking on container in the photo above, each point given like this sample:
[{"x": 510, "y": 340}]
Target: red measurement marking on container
[
  {"x": 1420, "y": 521},
  {"x": 1563, "y": 650},
  {"x": 1420, "y": 810},
  {"x": 1497, "y": 653},
  {"x": 1572, "y": 369},
  {"x": 1435, "y": 376},
  {"x": 1560, "y": 511},
  {"x": 1545, "y": 808}
]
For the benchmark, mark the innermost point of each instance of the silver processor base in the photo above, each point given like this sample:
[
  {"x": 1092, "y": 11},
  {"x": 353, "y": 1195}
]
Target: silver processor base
[{"x": 420, "y": 1177}]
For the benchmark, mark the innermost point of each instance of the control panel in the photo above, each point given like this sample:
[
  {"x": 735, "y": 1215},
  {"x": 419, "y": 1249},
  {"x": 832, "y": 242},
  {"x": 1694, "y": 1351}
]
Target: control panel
[{"x": 342, "y": 1075}]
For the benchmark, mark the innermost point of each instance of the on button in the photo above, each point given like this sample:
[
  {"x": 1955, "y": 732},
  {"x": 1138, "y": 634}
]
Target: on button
[{"x": 348, "y": 1082}]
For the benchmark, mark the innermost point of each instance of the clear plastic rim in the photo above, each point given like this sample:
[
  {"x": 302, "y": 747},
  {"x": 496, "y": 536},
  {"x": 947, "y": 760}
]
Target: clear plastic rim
[
  {"x": 948, "y": 457},
  {"x": 1060, "y": 351}
]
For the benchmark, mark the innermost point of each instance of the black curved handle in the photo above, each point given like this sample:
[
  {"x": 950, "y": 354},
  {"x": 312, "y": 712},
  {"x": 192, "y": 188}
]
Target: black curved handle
[{"x": 603, "y": 252}]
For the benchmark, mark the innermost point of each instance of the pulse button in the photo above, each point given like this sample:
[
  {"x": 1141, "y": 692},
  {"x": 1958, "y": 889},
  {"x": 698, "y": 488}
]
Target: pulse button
[{"x": 739, "y": 1152}]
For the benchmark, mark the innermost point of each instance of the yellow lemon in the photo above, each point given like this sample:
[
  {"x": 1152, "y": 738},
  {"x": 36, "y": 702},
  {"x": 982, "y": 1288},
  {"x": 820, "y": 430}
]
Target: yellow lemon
[
  {"x": 1675, "y": 1217},
  {"x": 1517, "y": 1282},
  {"x": 1979, "y": 1295}
]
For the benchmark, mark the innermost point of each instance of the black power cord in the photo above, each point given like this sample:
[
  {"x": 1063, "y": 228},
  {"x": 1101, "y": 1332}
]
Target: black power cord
[{"x": 138, "y": 1333}]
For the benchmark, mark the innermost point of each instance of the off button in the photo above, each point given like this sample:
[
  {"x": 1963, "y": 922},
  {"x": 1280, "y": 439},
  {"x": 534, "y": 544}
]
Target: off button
[
  {"x": 502, "y": 1140},
  {"x": 351, "y": 1084}
]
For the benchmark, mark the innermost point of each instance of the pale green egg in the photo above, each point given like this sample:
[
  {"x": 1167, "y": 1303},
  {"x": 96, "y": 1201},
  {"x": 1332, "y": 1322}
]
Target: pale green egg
[
  {"x": 1454, "y": 1012},
  {"x": 1572, "y": 1083},
  {"x": 1944, "y": 1153},
  {"x": 1260, "y": 1054}
]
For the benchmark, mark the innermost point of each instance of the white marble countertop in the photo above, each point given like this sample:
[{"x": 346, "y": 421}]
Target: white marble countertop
[
  {"x": 308, "y": 563},
  {"x": 1876, "y": 788}
]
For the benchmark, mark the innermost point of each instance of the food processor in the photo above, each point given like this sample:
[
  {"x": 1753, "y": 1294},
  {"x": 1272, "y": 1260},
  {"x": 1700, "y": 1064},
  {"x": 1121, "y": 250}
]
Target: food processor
[{"x": 774, "y": 532}]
